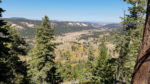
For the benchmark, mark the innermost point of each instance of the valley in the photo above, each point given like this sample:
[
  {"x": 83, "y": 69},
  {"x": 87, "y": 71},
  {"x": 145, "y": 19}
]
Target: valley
[{"x": 75, "y": 42}]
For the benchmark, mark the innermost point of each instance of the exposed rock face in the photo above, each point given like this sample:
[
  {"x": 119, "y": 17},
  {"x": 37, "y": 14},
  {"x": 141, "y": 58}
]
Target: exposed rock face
[
  {"x": 16, "y": 26},
  {"x": 77, "y": 24},
  {"x": 28, "y": 24}
]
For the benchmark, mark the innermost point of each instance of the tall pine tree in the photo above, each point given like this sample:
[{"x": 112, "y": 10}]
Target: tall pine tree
[
  {"x": 11, "y": 68},
  {"x": 103, "y": 71},
  {"x": 4, "y": 50},
  {"x": 141, "y": 73},
  {"x": 18, "y": 47},
  {"x": 130, "y": 41},
  {"x": 42, "y": 65}
]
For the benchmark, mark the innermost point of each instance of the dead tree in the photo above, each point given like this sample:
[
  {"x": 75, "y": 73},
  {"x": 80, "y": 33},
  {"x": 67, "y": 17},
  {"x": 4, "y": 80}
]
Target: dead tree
[{"x": 141, "y": 73}]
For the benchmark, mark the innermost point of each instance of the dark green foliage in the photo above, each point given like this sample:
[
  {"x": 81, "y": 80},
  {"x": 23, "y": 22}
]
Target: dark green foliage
[
  {"x": 65, "y": 71},
  {"x": 96, "y": 34},
  {"x": 60, "y": 27},
  {"x": 103, "y": 71},
  {"x": 113, "y": 26},
  {"x": 53, "y": 76},
  {"x": 4, "y": 52},
  {"x": 13, "y": 71},
  {"x": 90, "y": 61},
  {"x": 91, "y": 55},
  {"x": 128, "y": 45},
  {"x": 42, "y": 65},
  {"x": 18, "y": 45},
  {"x": 18, "y": 68},
  {"x": 78, "y": 72}
]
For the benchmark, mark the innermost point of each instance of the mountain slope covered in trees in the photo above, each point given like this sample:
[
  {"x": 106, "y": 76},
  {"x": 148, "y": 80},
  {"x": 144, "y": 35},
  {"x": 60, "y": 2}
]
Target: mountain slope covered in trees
[{"x": 27, "y": 27}]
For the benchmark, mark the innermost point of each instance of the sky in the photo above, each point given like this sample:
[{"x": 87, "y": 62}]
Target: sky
[{"x": 66, "y": 10}]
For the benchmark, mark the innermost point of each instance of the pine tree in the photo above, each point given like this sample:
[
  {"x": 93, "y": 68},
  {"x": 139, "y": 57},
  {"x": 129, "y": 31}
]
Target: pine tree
[
  {"x": 130, "y": 41},
  {"x": 66, "y": 71},
  {"x": 103, "y": 71},
  {"x": 18, "y": 47},
  {"x": 4, "y": 50},
  {"x": 141, "y": 73},
  {"x": 11, "y": 68},
  {"x": 91, "y": 55},
  {"x": 90, "y": 61},
  {"x": 42, "y": 65}
]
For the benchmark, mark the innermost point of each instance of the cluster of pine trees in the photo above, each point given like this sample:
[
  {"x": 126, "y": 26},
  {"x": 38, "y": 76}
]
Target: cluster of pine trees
[
  {"x": 12, "y": 70},
  {"x": 107, "y": 70},
  {"x": 119, "y": 70},
  {"x": 41, "y": 67}
]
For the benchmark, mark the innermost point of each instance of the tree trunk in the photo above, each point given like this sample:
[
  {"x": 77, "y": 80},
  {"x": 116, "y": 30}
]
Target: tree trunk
[
  {"x": 141, "y": 73},
  {"x": 118, "y": 73},
  {"x": 43, "y": 81}
]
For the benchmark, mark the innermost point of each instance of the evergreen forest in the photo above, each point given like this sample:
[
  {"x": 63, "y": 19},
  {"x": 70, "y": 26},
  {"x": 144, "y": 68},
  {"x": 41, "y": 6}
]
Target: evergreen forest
[{"x": 65, "y": 52}]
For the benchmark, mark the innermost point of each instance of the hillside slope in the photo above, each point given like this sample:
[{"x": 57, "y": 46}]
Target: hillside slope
[{"x": 28, "y": 27}]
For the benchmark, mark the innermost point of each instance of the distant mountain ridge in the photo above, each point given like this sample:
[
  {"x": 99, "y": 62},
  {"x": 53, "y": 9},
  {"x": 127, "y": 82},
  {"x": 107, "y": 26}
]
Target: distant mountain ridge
[{"x": 27, "y": 27}]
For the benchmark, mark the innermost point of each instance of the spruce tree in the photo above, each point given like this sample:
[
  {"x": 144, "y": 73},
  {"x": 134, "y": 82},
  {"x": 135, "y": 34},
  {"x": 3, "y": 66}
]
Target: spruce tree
[
  {"x": 11, "y": 68},
  {"x": 91, "y": 55},
  {"x": 18, "y": 47},
  {"x": 90, "y": 60},
  {"x": 130, "y": 41},
  {"x": 42, "y": 65},
  {"x": 4, "y": 50},
  {"x": 103, "y": 71}
]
